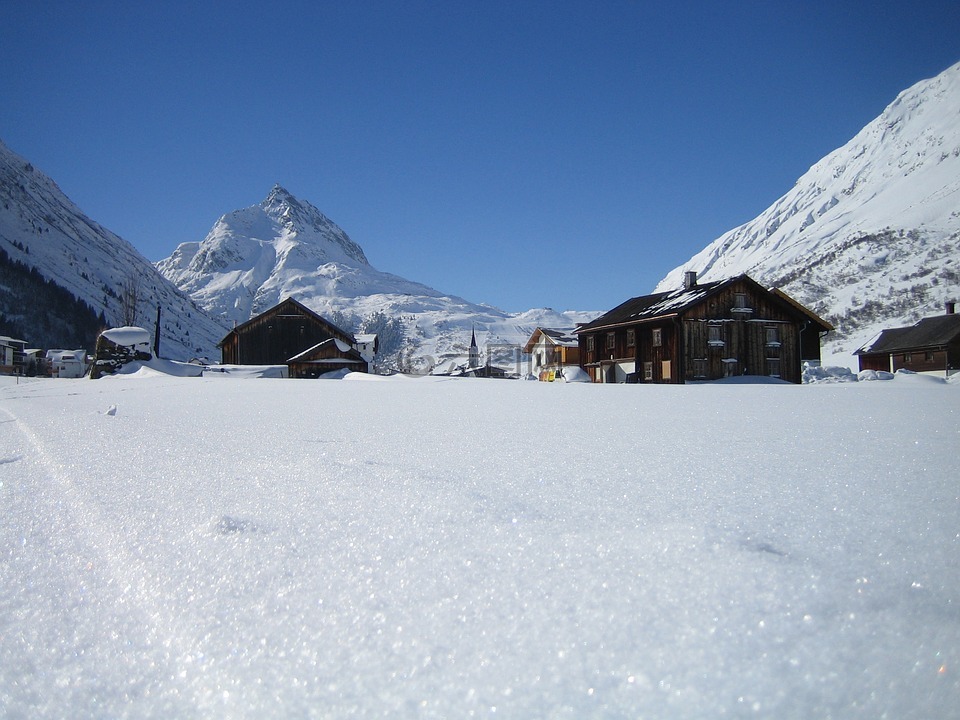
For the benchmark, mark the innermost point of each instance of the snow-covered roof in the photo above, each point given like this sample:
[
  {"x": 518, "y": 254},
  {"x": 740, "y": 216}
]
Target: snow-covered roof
[
  {"x": 341, "y": 346},
  {"x": 930, "y": 332},
  {"x": 562, "y": 337},
  {"x": 648, "y": 307},
  {"x": 127, "y": 336}
]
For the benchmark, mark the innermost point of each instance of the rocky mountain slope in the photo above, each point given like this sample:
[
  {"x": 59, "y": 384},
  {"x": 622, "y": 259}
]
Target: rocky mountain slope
[
  {"x": 41, "y": 229},
  {"x": 869, "y": 237},
  {"x": 285, "y": 247}
]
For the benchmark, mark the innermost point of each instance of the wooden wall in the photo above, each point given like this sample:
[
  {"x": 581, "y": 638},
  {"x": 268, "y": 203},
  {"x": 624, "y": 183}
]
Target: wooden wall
[{"x": 275, "y": 336}]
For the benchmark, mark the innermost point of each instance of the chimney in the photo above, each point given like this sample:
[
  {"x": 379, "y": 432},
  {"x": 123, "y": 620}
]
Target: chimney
[
  {"x": 689, "y": 279},
  {"x": 951, "y": 307}
]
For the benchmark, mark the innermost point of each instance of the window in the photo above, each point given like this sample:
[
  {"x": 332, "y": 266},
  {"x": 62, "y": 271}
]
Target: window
[
  {"x": 928, "y": 356},
  {"x": 611, "y": 340},
  {"x": 648, "y": 371},
  {"x": 656, "y": 337},
  {"x": 773, "y": 335},
  {"x": 773, "y": 367},
  {"x": 631, "y": 338},
  {"x": 715, "y": 335},
  {"x": 591, "y": 346},
  {"x": 908, "y": 357},
  {"x": 740, "y": 308},
  {"x": 699, "y": 368},
  {"x": 665, "y": 370}
]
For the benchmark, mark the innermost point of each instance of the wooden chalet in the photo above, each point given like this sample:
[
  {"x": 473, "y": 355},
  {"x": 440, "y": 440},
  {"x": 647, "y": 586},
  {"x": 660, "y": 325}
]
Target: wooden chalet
[
  {"x": 930, "y": 346},
  {"x": 276, "y": 335},
  {"x": 551, "y": 350},
  {"x": 700, "y": 332}
]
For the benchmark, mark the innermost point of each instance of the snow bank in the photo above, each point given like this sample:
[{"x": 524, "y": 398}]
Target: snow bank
[
  {"x": 574, "y": 375},
  {"x": 869, "y": 375},
  {"x": 818, "y": 374},
  {"x": 157, "y": 367}
]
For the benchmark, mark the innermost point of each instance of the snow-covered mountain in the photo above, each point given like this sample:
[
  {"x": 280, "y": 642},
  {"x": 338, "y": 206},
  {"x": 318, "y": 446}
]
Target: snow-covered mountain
[
  {"x": 42, "y": 229},
  {"x": 869, "y": 237},
  {"x": 285, "y": 247}
]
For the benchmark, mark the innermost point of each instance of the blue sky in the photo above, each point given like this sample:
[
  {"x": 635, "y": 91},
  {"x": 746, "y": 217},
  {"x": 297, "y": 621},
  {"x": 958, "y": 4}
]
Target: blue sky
[{"x": 522, "y": 154}]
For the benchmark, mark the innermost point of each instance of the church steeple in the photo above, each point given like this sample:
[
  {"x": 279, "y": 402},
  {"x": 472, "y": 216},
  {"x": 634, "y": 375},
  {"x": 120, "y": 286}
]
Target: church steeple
[{"x": 474, "y": 350}]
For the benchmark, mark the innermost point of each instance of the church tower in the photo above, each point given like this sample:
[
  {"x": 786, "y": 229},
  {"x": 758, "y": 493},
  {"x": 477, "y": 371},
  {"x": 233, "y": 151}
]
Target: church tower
[{"x": 474, "y": 350}]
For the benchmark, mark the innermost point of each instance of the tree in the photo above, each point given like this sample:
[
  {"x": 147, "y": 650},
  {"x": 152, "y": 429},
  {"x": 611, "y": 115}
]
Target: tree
[{"x": 129, "y": 297}]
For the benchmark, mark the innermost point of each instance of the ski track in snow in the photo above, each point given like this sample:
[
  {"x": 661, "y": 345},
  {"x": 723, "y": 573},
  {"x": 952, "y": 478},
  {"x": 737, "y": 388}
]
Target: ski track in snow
[{"x": 97, "y": 577}]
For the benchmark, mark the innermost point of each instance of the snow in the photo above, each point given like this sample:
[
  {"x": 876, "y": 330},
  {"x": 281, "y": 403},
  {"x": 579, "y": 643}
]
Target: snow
[
  {"x": 127, "y": 336},
  {"x": 397, "y": 547}
]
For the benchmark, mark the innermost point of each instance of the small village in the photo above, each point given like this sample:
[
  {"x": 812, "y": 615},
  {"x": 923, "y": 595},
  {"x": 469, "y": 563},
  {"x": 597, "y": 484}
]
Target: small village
[{"x": 700, "y": 332}]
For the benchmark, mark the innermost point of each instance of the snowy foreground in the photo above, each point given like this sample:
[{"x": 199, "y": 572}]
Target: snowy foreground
[{"x": 222, "y": 548}]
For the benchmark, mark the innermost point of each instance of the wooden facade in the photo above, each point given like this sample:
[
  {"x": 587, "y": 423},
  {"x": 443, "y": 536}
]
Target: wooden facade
[
  {"x": 930, "y": 346},
  {"x": 702, "y": 332},
  {"x": 278, "y": 334}
]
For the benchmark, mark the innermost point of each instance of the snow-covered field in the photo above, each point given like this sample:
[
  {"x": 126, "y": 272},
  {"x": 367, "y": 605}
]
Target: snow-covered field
[{"x": 222, "y": 548}]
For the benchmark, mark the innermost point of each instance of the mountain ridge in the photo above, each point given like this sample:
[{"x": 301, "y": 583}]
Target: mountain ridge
[
  {"x": 284, "y": 246},
  {"x": 44, "y": 230},
  {"x": 868, "y": 236}
]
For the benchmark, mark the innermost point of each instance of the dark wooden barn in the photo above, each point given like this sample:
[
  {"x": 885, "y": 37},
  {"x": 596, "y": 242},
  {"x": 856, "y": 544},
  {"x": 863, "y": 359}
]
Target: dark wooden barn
[
  {"x": 930, "y": 346},
  {"x": 703, "y": 331},
  {"x": 326, "y": 357},
  {"x": 278, "y": 334}
]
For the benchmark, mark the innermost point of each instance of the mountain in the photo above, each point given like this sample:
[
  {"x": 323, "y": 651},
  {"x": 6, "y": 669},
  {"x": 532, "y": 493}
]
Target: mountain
[
  {"x": 869, "y": 237},
  {"x": 285, "y": 247},
  {"x": 85, "y": 271}
]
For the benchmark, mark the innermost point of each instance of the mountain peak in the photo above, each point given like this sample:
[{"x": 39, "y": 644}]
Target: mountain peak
[
  {"x": 278, "y": 194},
  {"x": 304, "y": 220}
]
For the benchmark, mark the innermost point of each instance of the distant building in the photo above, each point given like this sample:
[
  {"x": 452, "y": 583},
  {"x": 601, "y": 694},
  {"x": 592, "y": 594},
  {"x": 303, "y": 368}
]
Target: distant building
[
  {"x": 67, "y": 363},
  {"x": 702, "y": 331},
  {"x": 930, "y": 346},
  {"x": 12, "y": 358},
  {"x": 368, "y": 345},
  {"x": 551, "y": 350}
]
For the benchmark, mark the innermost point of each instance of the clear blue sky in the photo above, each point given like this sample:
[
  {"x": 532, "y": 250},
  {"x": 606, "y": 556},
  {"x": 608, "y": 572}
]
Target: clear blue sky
[{"x": 522, "y": 154}]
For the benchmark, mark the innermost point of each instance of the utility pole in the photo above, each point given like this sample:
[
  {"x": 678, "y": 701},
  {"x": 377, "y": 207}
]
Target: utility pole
[{"x": 156, "y": 337}]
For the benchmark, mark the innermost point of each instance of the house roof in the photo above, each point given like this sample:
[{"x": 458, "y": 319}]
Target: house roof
[
  {"x": 560, "y": 337},
  {"x": 343, "y": 351},
  {"x": 932, "y": 332},
  {"x": 276, "y": 309},
  {"x": 676, "y": 302}
]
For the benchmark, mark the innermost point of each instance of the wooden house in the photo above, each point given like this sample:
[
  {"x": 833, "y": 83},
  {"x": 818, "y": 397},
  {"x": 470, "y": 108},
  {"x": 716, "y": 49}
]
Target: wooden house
[
  {"x": 702, "y": 331},
  {"x": 328, "y": 356},
  {"x": 276, "y": 335},
  {"x": 550, "y": 351},
  {"x": 12, "y": 357},
  {"x": 930, "y": 346}
]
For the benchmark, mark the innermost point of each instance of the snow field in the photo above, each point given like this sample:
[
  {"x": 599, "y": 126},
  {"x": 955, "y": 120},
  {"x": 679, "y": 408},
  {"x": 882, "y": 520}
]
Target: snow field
[{"x": 471, "y": 548}]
